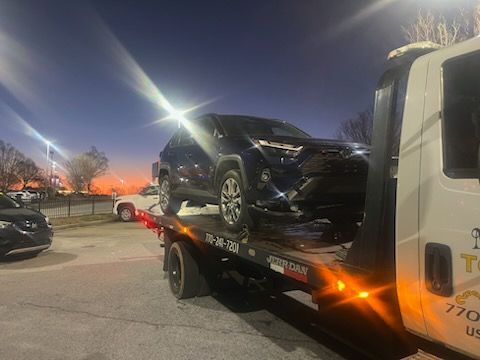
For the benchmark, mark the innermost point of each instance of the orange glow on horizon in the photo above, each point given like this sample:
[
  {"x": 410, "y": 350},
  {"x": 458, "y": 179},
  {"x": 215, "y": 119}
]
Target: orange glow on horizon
[{"x": 131, "y": 184}]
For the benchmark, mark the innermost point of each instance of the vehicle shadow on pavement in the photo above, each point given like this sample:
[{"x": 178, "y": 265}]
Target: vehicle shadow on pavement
[
  {"x": 26, "y": 261},
  {"x": 328, "y": 329}
]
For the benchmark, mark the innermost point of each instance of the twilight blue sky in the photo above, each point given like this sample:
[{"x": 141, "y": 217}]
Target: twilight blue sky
[{"x": 77, "y": 72}]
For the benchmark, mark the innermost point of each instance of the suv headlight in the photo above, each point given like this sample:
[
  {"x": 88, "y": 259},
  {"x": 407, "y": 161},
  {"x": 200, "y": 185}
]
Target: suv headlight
[
  {"x": 282, "y": 148},
  {"x": 4, "y": 224}
]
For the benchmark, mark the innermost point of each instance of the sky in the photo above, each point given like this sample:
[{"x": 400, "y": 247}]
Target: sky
[{"x": 93, "y": 73}]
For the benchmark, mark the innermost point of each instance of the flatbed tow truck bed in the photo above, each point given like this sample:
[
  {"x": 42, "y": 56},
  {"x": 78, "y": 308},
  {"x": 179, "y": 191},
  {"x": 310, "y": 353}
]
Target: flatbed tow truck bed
[
  {"x": 301, "y": 252},
  {"x": 306, "y": 257}
]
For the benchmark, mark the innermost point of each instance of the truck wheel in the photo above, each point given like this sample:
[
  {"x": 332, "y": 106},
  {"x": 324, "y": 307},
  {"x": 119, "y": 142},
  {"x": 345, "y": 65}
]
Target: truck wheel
[
  {"x": 168, "y": 203},
  {"x": 183, "y": 272},
  {"x": 232, "y": 202},
  {"x": 126, "y": 213}
]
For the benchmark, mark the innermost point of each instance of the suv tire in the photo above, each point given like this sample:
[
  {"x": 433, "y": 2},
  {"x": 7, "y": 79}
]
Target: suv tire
[
  {"x": 126, "y": 213},
  {"x": 168, "y": 204},
  {"x": 232, "y": 204}
]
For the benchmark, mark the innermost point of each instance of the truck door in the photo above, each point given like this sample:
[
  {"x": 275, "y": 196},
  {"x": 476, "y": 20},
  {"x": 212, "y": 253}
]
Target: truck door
[{"x": 449, "y": 198}]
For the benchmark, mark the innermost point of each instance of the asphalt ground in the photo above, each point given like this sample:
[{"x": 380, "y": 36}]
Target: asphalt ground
[{"x": 100, "y": 293}]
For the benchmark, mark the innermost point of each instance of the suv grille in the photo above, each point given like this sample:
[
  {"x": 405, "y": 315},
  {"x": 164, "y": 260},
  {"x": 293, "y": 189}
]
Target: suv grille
[
  {"x": 32, "y": 225},
  {"x": 332, "y": 162}
]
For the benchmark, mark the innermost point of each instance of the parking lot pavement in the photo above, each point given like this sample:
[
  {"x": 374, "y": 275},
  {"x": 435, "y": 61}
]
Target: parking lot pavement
[{"x": 100, "y": 293}]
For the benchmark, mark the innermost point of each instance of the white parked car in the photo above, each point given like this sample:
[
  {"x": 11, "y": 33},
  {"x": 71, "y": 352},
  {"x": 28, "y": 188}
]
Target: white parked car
[
  {"x": 126, "y": 206},
  {"x": 22, "y": 195}
]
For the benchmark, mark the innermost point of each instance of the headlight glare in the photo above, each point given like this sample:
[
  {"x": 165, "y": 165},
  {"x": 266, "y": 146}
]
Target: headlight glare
[
  {"x": 281, "y": 146},
  {"x": 4, "y": 224}
]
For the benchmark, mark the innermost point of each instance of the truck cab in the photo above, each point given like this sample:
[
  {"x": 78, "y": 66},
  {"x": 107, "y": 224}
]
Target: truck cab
[
  {"x": 421, "y": 227},
  {"x": 437, "y": 222}
]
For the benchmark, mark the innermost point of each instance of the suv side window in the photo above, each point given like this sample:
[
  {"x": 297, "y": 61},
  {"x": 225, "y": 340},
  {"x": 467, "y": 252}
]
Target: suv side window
[
  {"x": 461, "y": 116},
  {"x": 185, "y": 138},
  {"x": 175, "y": 139},
  {"x": 208, "y": 127}
]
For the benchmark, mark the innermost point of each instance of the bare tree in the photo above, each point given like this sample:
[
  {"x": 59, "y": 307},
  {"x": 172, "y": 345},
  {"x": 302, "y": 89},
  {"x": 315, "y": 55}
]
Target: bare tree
[
  {"x": 358, "y": 129},
  {"x": 29, "y": 172},
  {"x": 74, "y": 174},
  {"x": 96, "y": 165},
  {"x": 438, "y": 29},
  {"x": 83, "y": 169},
  {"x": 10, "y": 161}
]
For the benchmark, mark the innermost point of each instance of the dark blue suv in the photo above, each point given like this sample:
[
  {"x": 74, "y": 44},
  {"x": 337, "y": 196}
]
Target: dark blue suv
[{"x": 254, "y": 167}]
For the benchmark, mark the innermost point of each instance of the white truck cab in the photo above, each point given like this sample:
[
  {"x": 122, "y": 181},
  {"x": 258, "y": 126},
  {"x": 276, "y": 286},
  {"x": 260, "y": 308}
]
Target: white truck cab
[
  {"x": 127, "y": 206},
  {"x": 438, "y": 199}
]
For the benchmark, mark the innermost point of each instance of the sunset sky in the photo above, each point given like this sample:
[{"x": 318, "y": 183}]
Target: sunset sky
[{"x": 83, "y": 73}]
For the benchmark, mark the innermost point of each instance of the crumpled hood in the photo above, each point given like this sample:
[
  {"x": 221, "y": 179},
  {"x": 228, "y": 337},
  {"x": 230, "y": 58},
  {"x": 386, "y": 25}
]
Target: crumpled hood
[{"x": 20, "y": 214}]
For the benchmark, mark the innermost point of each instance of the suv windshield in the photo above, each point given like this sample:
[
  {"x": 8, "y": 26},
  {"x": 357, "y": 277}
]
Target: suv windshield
[
  {"x": 255, "y": 126},
  {"x": 7, "y": 203}
]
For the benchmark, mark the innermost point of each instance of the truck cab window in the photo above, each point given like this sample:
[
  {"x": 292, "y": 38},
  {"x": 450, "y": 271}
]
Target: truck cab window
[
  {"x": 401, "y": 92},
  {"x": 461, "y": 116}
]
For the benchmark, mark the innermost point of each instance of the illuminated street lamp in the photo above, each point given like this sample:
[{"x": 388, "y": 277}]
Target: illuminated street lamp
[
  {"x": 47, "y": 180},
  {"x": 48, "y": 143}
]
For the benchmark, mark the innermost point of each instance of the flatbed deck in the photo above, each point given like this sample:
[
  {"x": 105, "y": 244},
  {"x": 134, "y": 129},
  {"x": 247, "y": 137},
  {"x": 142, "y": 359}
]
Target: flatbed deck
[{"x": 302, "y": 252}]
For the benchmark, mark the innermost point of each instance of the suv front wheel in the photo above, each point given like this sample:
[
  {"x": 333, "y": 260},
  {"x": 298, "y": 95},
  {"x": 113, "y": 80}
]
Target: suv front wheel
[
  {"x": 233, "y": 205},
  {"x": 168, "y": 203}
]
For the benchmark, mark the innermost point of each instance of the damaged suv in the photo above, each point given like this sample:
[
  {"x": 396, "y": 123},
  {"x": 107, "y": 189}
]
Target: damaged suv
[{"x": 255, "y": 167}]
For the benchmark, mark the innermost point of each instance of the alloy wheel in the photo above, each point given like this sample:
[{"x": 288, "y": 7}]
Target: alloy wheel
[
  {"x": 231, "y": 201},
  {"x": 164, "y": 194}
]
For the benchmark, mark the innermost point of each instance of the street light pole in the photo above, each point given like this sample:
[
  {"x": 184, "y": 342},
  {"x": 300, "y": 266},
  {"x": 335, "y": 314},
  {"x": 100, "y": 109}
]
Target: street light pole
[{"x": 47, "y": 180}]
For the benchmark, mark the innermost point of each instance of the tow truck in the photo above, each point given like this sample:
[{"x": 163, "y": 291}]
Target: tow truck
[{"x": 415, "y": 259}]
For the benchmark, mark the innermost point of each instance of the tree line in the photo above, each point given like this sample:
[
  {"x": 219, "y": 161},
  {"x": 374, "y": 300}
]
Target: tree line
[{"x": 80, "y": 171}]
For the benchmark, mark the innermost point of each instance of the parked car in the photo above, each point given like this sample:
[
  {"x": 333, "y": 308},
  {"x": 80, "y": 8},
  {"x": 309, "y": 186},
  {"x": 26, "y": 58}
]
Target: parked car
[
  {"x": 35, "y": 195},
  {"x": 254, "y": 167},
  {"x": 126, "y": 206},
  {"x": 22, "y": 230},
  {"x": 23, "y": 195}
]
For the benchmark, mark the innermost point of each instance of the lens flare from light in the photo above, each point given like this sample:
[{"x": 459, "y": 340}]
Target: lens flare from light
[
  {"x": 352, "y": 21},
  {"x": 136, "y": 78},
  {"x": 30, "y": 131}
]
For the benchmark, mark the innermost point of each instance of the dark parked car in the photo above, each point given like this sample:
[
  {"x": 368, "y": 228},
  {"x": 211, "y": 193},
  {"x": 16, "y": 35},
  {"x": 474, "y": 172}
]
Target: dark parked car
[
  {"x": 256, "y": 167},
  {"x": 22, "y": 230}
]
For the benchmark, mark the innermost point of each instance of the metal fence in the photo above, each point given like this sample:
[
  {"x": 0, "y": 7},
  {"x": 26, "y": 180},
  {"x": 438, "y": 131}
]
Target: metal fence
[{"x": 66, "y": 207}]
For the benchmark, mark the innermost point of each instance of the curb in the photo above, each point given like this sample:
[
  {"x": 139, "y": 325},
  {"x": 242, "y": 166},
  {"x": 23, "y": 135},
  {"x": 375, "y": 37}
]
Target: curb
[{"x": 83, "y": 224}]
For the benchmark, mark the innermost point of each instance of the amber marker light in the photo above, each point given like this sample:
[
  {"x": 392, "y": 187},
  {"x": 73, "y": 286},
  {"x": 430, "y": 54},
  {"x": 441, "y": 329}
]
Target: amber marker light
[
  {"x": 341, "y": 285},
  {"x": 363, "y": 294}
]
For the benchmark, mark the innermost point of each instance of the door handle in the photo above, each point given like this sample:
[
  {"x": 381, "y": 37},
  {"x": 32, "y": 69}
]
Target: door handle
[{"x": 438, "y": 269}]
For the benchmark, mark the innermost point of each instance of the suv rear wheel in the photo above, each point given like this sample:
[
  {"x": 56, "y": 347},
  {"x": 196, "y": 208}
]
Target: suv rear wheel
[
  {"x": 233, "y": 205},
  {"x": 168, "y": 203}
]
